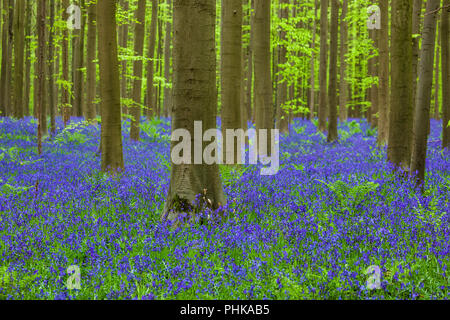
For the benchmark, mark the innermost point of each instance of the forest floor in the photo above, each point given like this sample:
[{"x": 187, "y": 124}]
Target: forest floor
[{"x": 309, "y": 232}]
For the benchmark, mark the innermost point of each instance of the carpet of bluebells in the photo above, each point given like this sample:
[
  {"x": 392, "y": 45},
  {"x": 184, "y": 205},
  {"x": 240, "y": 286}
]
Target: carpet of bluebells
[{"x": 309, "y": 232}]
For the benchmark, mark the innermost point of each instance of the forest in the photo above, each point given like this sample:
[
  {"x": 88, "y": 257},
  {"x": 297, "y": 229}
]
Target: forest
[{"x": 224, "y": 150}]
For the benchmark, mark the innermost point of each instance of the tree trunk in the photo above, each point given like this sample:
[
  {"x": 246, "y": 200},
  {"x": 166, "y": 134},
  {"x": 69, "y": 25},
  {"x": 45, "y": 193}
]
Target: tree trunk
[
  {"x": 383, "y": 91},
  {"x": 436, "y": 78},
  {"x": 250, "y": 106},
  {"x": 6, "y": 61},
  {"x": 231, "y": 72},
  {"x": 400, "y": 124},
  {"x": 27, "y": 60},
  {"x": 139, "y": 32},
  {"x": 91, "y": 65},
  {"x": 416, "y": 24},
  {"x": 78, "y": 54},
  {"x": 263, "y": 83},
  {"x": 123, "y": 42},
  {"x": 195, "y": 99},
  {"x": 19, "y": 48},
  {"x": 65, "y": 68},
  {"x": 332, "y": 94},
  {"x": 159, "y": 68},
  {"x": 151, "y": 108},
  {"x": 323, "y": 65},
  {"x": 343, "y": 85},
  {"x": 282, "y": 121},
  {"x": 445, "y": 66},
  {"x": 50, "y": 68},
  {"x": 40, "y": 71},
  {"x": 167, "y": 53},
  {"x": 423, "y": 99},
  {"x": 111, "y": 135},
  {"x": 374, "y": 88}
]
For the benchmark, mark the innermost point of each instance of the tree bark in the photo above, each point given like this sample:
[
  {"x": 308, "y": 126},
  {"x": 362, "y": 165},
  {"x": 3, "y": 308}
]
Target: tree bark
[
  {"x": 167, "y": 53},
  {"x": 332, "y": 89},
  {"x": 195, "y": 99},
  {"x": 19, "y": 48},
  {"x": 78, "y": 61},
  {"x": 263, "y": 83},
  {"x": 27, "y": 60},
  {"x": 231, "y": 73},
  {"x": 374, "y": 105},
  {"x": 423, "y": 98},
  {"x": 323, "y": 65},
  {"x": 50, "y": 68},
  {"x": 416, "y": 26},
  {"x": 65, "y": 68},
  {"x": 91, "y": 65},
  {"x": 111, "y": 135},
  {"x": 383, "y": 91},
  {"x": 6, "y": 60},
  {"x": 151, "y": 108},
  {"x": 139, "y": 31},
  {"x": 445, "y": 67},
  {"x": 343, "y": 85},
  {"x": 40, "y": 71},
  {"x": 400, "y": 124},
  {"x": 250, "y": 106},
  {"x": 436, "y": 78},
  {"x": 282, "y": 121},
  {"x": 123, "y": 42}
]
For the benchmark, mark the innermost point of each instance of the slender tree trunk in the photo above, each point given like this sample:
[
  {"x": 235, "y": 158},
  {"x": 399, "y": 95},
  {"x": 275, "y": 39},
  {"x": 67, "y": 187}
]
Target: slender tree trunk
[
  {"x": 151, "y": 108},
  {"x": 423, "y": 99},
  {"x": 195, "y": 99},
  {"x": 91, "y": 65},
  {"x": 383, "y": 91},
  {"x": 343, "y": 85},
  {"x": 323, "y": 65},
  {"x": 416, "y": 17},
  {"x": 6, "y": 61},
  {"x": 65, "y": 68},
  {"x": 374, "y": 105},
  {"x": 231, "y": 72},
  {"x": 436, "y": 77},
  {"x": 40, "y": 71},
  {"x": 263, "y": 83},
  {"x": 282, "y": 121},
  {"x": 445, "y": 65},
  {"x": 167, "y": 53},
  {"x": 250, "y": 106},
  {"x": 27, "y": 60},
  {"x": 400, "y": 124},
  {"x": 78, "y": 55},
  {"x": 139, "y": 32},
  {"x": 312, "y": 99},
  {"x": 332, "y": 88},
  {"x": 159, "y": 68},
  {"x": 111, "y": 135},
  {"x": 19, "y": 48},
  {"x": 50, "y": 68},
  {"x": 123, "y": 42}
]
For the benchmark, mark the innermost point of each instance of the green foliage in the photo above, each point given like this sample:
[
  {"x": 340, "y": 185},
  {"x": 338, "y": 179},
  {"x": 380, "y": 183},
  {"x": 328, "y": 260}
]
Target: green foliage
[
  {"x": 12, "y": 152},
  {"x": 7, "y": 189},
  {"x": 432, "y": 214},
  {"x": 73, "y": 133},
  {"x": 353, "y": 128},
  {"x": 300, "y": 130},
  {"x": 350, "y": 196},
  {"x": 153, "y": 130},
  {"x": 231, "y": 173}
]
